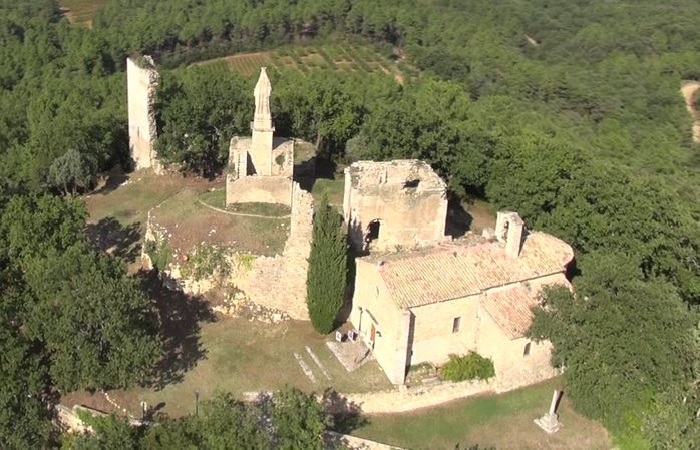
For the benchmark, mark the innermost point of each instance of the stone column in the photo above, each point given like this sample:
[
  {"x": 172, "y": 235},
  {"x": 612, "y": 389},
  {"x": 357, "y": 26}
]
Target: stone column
[{"x": 550, "y": 421}]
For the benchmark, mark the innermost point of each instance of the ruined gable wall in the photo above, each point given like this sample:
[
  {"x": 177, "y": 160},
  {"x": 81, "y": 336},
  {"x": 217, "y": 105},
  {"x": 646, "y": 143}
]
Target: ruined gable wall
[
  {"x": 411, "y": 215},
  {"x": 141, "y": 90},
  {"x": 283, "y": 153},
  {"x": 238, "y": 158}
]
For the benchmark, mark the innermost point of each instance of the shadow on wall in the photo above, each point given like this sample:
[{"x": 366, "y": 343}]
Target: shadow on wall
[
  {"x": 180, "y": 316},
  {"x": 458, "y": 220},
  {"x": 346, "y": 309},
  {"x": 108, "y": 235}
]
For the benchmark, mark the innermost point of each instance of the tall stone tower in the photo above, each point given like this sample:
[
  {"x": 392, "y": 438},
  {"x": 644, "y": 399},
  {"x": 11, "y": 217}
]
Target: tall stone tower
[
  {"x": 142, "y": 81},
  {"x": 261, "y": 145}
]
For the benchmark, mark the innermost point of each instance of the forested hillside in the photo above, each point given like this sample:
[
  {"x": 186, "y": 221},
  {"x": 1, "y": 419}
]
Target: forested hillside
[{"x": 566, "y": 111}]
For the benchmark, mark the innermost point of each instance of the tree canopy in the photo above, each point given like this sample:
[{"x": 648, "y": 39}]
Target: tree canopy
[{"x": 568, "y": 112}]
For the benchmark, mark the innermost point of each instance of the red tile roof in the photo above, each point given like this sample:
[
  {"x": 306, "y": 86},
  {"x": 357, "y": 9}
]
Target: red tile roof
[
  {"x": 452, "y": 271},
  {"x": 510, "y": 309}
]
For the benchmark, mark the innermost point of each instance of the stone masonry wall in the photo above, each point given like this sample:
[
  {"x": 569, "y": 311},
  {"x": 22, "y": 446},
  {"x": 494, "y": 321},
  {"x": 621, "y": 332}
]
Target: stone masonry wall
[
  {"x": 277, "y": 282},
  {"x": 405, "y": 197},
  {"x": 142, "y": 83},
  {"x": 269, "y": 189}
]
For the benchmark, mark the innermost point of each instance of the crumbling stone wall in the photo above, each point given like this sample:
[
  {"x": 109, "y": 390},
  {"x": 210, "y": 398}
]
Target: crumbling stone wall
[
  {"x": 142, "y": 82},
  {"x": 277, "y": 282},
  {"x": 259, "y": 189},
  {"x": 394, "y": 205}
]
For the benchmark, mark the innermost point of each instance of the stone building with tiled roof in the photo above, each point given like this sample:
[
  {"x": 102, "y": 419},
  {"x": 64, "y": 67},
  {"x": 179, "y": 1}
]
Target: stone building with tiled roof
[{"x": 475, "y": 294}]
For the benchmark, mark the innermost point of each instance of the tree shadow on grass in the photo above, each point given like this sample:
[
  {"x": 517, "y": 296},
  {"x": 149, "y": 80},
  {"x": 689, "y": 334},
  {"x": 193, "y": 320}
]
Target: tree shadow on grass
[
  {"x": 180, "y": 318},
  {"x": 108, "y": 235},
  {"x": 345, "y": 415}
]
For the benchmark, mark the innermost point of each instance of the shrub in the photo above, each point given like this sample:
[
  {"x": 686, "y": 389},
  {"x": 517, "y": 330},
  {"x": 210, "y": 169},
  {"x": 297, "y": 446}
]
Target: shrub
[
  {"x": 206, "y": 261},
  {"x": 471, "y": 366},
  {"x": 159, "y": 252}
]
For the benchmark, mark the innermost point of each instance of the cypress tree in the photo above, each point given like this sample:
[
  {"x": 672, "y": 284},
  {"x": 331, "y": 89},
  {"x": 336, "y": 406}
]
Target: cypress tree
[{"x": 325, "y": 283}]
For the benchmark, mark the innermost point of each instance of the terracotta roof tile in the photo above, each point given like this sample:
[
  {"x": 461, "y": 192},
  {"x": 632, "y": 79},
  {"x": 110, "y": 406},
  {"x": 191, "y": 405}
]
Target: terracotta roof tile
[
  {"x": 510, "y": 309},
  {"x": 453, "y": 271}
]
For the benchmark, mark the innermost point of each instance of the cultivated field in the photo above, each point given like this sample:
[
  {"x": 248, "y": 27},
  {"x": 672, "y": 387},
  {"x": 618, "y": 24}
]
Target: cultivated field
[
  {"x": 81, "y": 11},
  {"x": 307, "y": 59}
]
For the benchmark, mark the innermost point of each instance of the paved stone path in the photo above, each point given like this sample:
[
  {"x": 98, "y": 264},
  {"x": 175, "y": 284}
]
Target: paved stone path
[
  {"x": 305, "y": 368},
  {"x": 318, "y": 363},
  {"x": 350, "y": 354}
]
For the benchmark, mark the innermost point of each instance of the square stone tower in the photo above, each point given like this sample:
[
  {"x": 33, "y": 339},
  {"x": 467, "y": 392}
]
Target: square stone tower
[
  {"x": 392, "y": 205},
  {"x": 142, "y": 82}
]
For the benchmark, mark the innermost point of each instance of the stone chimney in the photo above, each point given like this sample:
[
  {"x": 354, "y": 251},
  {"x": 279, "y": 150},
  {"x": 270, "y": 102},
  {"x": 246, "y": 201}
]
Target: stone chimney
[{"x": 509, "y": 230}]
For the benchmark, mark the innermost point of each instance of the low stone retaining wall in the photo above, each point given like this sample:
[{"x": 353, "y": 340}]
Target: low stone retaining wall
[{"x": 405, "y": 399}]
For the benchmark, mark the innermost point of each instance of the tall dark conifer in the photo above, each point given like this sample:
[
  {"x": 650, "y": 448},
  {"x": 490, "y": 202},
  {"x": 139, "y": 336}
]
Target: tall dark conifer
[{"x": 327, "y": 275}]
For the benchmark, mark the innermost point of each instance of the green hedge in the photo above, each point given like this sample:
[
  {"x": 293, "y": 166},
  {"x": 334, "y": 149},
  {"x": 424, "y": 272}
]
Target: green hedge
[{"x": 471, "y": 366}]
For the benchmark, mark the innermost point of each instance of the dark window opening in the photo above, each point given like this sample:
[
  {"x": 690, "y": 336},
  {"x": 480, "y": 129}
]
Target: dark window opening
[
  {"x": 373, "y": 230},
  {"x": 526, "y": 350},
  {"x": 455, "y": 324},
  {"x": 411, "y": 183}
]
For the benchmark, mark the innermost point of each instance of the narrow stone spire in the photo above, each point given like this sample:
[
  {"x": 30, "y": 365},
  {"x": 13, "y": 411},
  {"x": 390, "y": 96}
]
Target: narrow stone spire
[
  {"x": 263, "y": 118},
  {"x": 260, "y": 151}
]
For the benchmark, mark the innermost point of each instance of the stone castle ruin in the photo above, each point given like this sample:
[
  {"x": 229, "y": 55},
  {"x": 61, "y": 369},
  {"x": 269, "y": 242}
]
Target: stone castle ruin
[
  {"x": 418, "y": 296},
  {"x": 142, "y": 82},
  {"x": 261, "y": 170},
  {"x": 394, "y": 205}
]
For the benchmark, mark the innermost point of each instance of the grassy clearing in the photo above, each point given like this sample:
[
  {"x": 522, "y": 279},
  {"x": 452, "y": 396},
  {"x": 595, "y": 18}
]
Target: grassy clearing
[
  {"x": 189, "y": 222},
  {"x": 501, "y": 421},
  {"x": 81, "y": 11},
  {"x": 243, "y": 356},
  {"x": 217, "y": 198},
  {"x": 129, "y": 197},
  {"x": 331, "y": 188}
]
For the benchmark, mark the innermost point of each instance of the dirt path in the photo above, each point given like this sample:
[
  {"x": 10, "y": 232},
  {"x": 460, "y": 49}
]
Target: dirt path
[
  {"x": 233, "y": 213},
  {"x": 689, "y": 89}
]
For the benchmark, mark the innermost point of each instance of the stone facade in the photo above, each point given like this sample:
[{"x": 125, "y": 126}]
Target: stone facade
[
  {"x": 421, "y": 306},
  {"x": 142, "y": 81},
  {"x": 393, "y": 205}
]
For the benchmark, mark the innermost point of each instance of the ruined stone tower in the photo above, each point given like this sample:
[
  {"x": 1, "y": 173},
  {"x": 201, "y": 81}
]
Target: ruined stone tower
[
  {"x": 142, "y": 81},
  {"x": 261, "y": 145},
  {"x": 390, "y": 205}
]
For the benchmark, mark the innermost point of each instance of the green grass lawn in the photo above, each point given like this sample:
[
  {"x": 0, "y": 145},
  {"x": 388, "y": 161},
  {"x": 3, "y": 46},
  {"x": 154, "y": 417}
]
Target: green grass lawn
[
  {"x": 243, "y": 356},
  {"x": 500, "y": 421},
  {"x": 331, "y": 188},
  {"x": 217, "y": 198},
  {"x": 190, "y": 222}
]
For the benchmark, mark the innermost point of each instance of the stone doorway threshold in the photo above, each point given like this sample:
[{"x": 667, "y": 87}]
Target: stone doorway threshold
[{"x": 350, "y": 354}]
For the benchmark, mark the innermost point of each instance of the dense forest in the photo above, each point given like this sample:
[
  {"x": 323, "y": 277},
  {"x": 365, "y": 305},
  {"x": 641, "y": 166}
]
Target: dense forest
[{"x": 566, "y": 111}]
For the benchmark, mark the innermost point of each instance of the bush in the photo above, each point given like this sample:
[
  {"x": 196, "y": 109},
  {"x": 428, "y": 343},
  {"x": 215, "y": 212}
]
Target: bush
[{"x": 469, "y": 367}]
